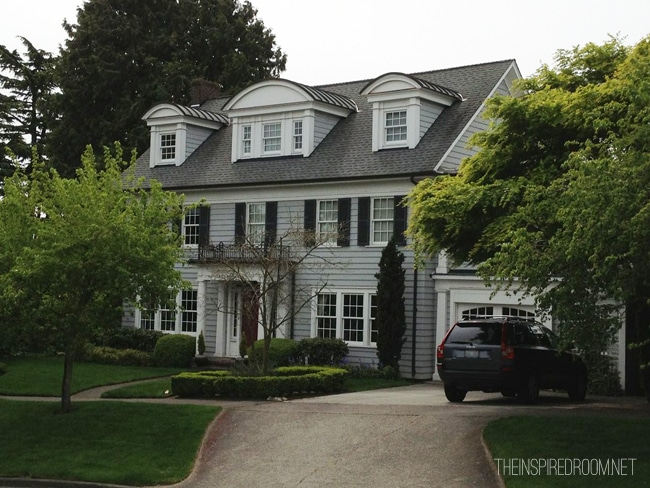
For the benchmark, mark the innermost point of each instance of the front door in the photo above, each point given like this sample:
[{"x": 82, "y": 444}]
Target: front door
[{"x": 242, "y": 318}]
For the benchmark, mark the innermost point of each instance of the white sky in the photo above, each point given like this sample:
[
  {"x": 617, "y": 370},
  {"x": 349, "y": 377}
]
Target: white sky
[{"x": 330, "y": 41}]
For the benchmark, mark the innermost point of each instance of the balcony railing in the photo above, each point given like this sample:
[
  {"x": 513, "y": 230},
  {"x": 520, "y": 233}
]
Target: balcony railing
[{"x": 239, "y": 253}]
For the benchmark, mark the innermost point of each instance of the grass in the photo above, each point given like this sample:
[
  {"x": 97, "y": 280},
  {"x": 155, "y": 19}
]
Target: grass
[
  {"x": 42, "y": 376},
  {"x": 579, "y": 438},
  {"x": 160, "y": 388},
  {"x": 108, "y": 442}
]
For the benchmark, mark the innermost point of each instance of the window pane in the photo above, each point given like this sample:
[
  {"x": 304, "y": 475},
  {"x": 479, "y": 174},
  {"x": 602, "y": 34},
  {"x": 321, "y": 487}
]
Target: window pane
[
  {"x": 396, "y": 126},
  {"x": 256, "y": 228},
  {"x": 328, "y": 215},
  {"x": 191, "y": 227},
  {"x": 147, "y": 319},
  {"x": 190, "y": 308},
  {"x": 246, "y": 139},
  {"x": 326, "y": 315},
  {"x": 382, "y": 220},
  {"x": 297, "y": 134},
  {"x": 373, "y": 315},
  {"x": 167, "y": 146},
  {"x": 272, "y": 137},
  {"x": 353, "y": 318}
]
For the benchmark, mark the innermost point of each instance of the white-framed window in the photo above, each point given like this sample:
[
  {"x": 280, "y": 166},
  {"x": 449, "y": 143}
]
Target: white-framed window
[
  {"x": 327, "y": 221},
  {"x": 191, "y": 227},
  {"x": 189, "y": 310},
  {"x": 297, "y": 135},
  {"x": 180, "y": 316},
  {"x": 395, "y": 127},
  {"x": 168, "y": 147},
  {"x": 256, "y": 223},
  {"x": 272, "y": 137},
  {"x": 247, "y": 138},
  {"x": 346, "y": 314},
  {"x": 381, "y": 220}
]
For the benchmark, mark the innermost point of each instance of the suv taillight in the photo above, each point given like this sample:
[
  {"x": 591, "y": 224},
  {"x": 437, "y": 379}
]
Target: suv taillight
[
  {"x": 440, "y": 352},
  {"x": 507, "y": 352}
]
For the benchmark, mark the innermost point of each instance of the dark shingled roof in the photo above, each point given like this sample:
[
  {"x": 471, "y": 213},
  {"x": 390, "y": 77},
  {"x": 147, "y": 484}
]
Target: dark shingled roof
[{"x": 346, "y": 153}]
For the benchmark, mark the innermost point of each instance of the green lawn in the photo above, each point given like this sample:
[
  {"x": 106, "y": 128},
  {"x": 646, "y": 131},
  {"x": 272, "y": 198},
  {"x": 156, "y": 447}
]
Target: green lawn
[
  {"x": 42, "y": 376},
  {"x": 108, "y": 442},
  {"x": 160, "y": 388},
  {"x": 570, "y": 440}
]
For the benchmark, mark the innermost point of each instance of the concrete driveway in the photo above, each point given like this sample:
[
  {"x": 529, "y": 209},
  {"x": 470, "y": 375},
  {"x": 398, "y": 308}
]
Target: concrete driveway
[{"x": 401, "y": 437}]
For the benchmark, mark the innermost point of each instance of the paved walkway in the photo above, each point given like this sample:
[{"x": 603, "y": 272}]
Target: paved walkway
[{"x": 400, "y": 437}]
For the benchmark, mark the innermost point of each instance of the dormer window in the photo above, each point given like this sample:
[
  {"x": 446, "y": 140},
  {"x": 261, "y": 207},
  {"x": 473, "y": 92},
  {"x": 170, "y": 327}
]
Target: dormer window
[
  {"x": 177, "y": 131},
  {"x": 404, "y": 108},
  {"x": 246, "y": 139},
  {"x": 297, "y": 135},
  {"x": 272, "y": 138},
  {"x": 168, "y": 148},
  {"x": 283, "y": 118},
  {"x": 395, "y": 127}
]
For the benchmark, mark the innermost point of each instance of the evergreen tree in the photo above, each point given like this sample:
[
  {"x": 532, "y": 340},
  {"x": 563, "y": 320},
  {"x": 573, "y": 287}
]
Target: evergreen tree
[
  {"x": 390, "y": 319},
  {"x": 25, "y": 83},
  {"x": 124, "y": 56}
]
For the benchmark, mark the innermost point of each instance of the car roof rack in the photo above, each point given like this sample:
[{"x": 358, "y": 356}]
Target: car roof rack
[{"x": 480, "y": 316}]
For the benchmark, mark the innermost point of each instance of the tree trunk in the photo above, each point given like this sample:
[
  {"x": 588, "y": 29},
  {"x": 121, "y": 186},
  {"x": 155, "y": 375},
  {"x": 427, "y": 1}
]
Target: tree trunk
[{"x": 66, "y": 388}]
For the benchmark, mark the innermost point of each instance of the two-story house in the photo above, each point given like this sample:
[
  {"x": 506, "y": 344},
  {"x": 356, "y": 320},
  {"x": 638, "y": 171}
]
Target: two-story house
[{"x": 280, "y": 154}]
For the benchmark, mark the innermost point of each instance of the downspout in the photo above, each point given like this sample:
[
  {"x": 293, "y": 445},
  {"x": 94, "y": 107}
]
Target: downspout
[
  {"x": 414, "y": 319},
  {"x": 292, "y": 319}
]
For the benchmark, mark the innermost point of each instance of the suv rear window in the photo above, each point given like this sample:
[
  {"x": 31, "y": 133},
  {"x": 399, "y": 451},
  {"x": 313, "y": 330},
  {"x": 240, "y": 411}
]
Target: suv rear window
[{"x": 476, "y": 333}]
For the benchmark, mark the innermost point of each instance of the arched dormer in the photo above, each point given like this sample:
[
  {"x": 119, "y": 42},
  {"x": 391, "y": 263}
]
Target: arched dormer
[
  {"x": 177, "y": 130},
  {"x": 279, "y": 117},
  {"x": 404, "y": 108}
]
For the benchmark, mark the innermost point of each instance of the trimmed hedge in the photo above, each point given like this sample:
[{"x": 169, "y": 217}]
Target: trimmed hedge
[
  {"x": 322, "y": 352},
  {"x": 129, "y": 338},
  {"x": 282, "y": 352},
  {"x": 120, "y": 357},
  {"x": 285, "y": 381},
  {"x": 174, "y": 351}
]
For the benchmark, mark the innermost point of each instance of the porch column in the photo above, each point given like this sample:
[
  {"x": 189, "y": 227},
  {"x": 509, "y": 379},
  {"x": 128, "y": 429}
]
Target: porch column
[
  {"x": 201, "y": 295},
  {"x": 221, "y": 344},
  {"x": 441, "y": 325}
]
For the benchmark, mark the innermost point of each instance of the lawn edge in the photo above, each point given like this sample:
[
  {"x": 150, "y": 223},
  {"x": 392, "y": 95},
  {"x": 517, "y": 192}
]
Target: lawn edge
[{"x": 490, "y": 457}]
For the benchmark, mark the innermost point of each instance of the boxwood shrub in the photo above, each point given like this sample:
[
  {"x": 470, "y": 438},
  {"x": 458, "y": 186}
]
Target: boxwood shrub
[
  {"x": 322, "y": 352},
  {"x": 282, "y": 352},
  {"x": 174, "y": 351},
  {"x": 284, "y": 382},
  {"x": 128, "y": 338}
]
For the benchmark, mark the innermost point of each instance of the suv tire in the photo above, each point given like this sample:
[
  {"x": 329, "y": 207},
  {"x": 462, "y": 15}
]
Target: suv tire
[
  {"x": 454, "y": 395},
  {"x": 529, "y": 390}
]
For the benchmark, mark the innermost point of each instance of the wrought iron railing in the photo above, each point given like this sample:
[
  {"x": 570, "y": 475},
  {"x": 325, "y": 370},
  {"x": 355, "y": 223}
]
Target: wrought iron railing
[{"x": 241, "y": 253}]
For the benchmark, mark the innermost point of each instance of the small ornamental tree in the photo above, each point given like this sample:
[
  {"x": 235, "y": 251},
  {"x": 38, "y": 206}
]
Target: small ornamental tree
[
  {"x": 73, "y": 250},
  {"x": 391, "y": 319}
]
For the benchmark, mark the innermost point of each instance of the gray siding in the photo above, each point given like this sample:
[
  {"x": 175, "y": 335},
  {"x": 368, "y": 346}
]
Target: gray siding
[
  {"x": 429, "y": 112},
  {"x": 195, "y": 136},
  {"x": 323, "y": 124}
]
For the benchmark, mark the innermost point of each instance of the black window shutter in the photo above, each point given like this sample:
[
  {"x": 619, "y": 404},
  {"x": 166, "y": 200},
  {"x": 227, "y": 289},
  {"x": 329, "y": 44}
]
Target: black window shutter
[
  {"x": 399, "y": 221},
  {"x": 240, "y": 223},
  {"x": 271, "y": 222},
  {"x": 363, "y": 224},
  {"x": 204, "y": 225},
  {"x": 310, "y": 223},
  {"x": 344, "y": 222}
]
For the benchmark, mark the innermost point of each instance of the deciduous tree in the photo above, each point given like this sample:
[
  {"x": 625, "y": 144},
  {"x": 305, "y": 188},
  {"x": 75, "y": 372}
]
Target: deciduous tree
[
  {"x": 556, "y": 199},
  {"x": 73, "y": 250}
]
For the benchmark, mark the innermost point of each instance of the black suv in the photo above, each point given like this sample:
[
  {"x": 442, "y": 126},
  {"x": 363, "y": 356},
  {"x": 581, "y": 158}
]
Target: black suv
[{"x": 511, "y": 355}]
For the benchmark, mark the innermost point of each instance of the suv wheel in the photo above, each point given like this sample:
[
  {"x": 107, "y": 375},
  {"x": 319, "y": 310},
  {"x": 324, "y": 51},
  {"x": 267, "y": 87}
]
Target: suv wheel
[
  {"x": 529, "y": 390},
  {"x": 578, "y": 389},
  {"x": 454, "y": 395}
]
